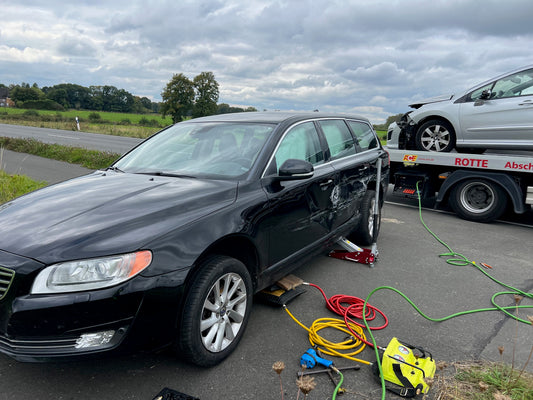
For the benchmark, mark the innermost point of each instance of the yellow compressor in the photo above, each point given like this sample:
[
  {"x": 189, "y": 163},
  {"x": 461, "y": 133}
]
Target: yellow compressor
[{"x": 405, "y": 369}]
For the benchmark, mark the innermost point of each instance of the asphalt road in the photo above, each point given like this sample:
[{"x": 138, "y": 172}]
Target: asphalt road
[
  {"x": 93, "y": 141},
  {"x": 408, "y": 262}
]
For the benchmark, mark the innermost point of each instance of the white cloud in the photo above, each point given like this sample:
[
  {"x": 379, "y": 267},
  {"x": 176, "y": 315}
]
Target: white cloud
[
  {"x": 368, "y": 57},
  {"x": 27, "y": 55}
]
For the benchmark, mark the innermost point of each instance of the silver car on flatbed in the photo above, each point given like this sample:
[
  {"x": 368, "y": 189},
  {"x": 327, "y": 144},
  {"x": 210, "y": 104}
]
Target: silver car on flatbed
[{"x": 496, "y": 114}]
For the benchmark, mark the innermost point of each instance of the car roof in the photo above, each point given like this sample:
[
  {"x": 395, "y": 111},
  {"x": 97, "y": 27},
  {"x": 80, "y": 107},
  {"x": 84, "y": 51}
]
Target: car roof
[{"x": 272, "y": 117}]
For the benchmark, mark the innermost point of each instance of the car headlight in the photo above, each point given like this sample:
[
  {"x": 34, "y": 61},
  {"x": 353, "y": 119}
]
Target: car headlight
[{"x": 96, "y": 273}]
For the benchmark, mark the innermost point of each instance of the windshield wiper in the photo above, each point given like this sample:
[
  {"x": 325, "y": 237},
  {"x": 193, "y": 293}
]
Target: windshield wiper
[
  {"x": 116, "y": 169},
  {"x": 170, "y": 174}
]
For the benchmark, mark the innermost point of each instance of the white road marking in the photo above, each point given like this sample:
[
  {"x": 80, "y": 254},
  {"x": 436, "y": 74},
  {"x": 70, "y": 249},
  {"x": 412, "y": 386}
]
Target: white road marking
[{"x": 66, "y": 137}]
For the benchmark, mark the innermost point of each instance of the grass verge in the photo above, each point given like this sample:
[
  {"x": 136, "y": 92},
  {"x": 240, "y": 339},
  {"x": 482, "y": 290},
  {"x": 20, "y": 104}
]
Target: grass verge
[
  {"x": 484, "y": 381},
  {"x": 12, "y": 186},
  {"x": 91, "y": 159},
  {"x": 118, "y": 124}
]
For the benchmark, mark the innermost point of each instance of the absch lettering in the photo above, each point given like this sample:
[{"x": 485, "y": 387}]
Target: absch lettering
[{"x": 514, "y": 165}]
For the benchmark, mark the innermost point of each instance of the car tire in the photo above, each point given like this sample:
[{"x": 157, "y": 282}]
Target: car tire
[
  {"x": 216, "y": 311},
  {"x": 365, "y": 234},
  {"x": 435, "y": 135},
  {"x": 478, "y": 200}
]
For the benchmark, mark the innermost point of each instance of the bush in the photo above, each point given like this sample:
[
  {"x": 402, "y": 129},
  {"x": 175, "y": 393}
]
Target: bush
[
  {"x": 154, "y": 122},
  {"x": 125, "y": 121},
  {"x": 94, "y": 117},
  {"x": 46, "y": 104},
  {"x": 146, "y": 122},
  {"x": 30, "y": 113}
]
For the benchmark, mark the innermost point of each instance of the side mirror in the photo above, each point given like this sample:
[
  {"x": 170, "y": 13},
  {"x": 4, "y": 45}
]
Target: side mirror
[
  {"x": 486, "y": 94},
  {"x": 290, "y": 170},
  {"x": 293, "y": 169}
]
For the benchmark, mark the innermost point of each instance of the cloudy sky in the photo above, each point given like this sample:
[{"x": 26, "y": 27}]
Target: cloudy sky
[{"x": 370, "y": 57}]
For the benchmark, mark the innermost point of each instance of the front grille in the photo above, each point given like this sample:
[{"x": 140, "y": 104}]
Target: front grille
[{"x": 6, "y": 278}]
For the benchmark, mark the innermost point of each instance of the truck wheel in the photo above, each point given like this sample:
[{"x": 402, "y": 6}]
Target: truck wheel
[
  {"x": 216, "y": 311},
  {"x": 478, "y": 200},
  {"x": 435, "y": 135},
  {"x": 365, "y": 234}
]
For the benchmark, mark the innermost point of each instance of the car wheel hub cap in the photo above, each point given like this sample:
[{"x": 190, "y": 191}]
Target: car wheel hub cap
[
  {"x": 223, "y": 312},
  {"x": 435, "y": 138}
]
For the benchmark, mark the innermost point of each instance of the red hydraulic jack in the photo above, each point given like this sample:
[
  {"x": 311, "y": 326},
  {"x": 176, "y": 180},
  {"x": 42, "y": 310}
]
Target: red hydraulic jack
[{"x": 353, "y": 252}]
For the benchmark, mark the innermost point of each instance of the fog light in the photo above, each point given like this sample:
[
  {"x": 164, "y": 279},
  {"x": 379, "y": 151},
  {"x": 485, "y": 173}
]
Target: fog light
[{"x": 94, "y": 339}]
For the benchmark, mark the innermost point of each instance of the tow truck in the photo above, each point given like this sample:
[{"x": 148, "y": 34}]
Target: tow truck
[{"x": 477, "y": 187}]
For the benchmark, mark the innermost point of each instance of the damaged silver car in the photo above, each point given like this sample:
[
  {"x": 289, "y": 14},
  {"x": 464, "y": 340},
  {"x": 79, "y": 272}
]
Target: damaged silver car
[{"x": 496, "y": 114}]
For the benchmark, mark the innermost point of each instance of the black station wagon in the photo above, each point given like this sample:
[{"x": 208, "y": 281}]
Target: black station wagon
[{"x": 170, "y": 243}]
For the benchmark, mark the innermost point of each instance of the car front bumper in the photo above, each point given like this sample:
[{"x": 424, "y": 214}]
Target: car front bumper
[
  {"x": 52, "y": 326},
  {"x": 393, "y": 136}
]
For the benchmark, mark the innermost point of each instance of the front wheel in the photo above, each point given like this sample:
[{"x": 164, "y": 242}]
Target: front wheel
[
  {"x": 366, "y": 233},
  {"x": 435, "y": 135},
  {"x": 216, "y": 311},
  {"x": 478, "y": 200}
]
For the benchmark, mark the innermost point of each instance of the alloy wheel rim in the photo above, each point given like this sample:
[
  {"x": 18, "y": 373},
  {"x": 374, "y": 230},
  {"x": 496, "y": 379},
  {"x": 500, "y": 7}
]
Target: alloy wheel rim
[
  {"x": 435, "y": 138},
  {"x": 223, "y": 312}
]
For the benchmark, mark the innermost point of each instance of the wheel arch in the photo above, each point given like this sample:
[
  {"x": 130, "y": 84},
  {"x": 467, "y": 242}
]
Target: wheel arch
[
  {"x": 236, "y": 246},
  {"x": 372, "y": 185},
  {"x": 508, "y": 184},
  {"x": 239, "y": 247},
  {"x": 430, "y": 117}
]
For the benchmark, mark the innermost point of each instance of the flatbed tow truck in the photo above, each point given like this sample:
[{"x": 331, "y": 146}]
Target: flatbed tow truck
[{"x": 478, "y": 187}]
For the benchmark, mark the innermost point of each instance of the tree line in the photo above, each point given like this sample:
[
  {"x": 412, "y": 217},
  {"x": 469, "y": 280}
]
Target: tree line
[
  {"x": 182, "y": 98},
  {"x": 71, "y": 96}
]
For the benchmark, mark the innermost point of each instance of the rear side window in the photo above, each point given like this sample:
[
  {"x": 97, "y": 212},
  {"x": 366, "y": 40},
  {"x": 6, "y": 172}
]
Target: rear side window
[
  {"x": 366, "y": 137},
  {"x": 339, "y": 138}
]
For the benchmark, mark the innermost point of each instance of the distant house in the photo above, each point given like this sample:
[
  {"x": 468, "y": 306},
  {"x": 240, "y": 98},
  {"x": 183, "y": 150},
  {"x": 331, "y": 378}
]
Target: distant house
[{"x": 4, "y": 100}]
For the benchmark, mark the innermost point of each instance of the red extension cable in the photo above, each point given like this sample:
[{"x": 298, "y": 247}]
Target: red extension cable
[{"x": 350, "y": 308}]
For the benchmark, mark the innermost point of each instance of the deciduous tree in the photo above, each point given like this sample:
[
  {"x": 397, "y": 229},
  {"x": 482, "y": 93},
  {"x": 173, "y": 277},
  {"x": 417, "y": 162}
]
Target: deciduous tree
[
  {"x": 206, "y": 95},
  {"x": 178, "y": 97}
]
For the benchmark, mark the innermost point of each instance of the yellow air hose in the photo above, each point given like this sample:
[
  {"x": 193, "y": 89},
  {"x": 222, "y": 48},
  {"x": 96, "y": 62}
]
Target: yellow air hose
[{"x": 347, "y": 348}]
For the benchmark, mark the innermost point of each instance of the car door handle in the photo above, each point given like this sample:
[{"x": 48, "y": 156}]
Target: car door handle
[
  {"x": 526, "y": 103},
  {"x": 327, "y": 183}
]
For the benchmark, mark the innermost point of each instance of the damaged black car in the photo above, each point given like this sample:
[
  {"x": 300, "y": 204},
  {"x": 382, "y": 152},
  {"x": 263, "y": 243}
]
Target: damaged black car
[{"x": 170, "y": 243}]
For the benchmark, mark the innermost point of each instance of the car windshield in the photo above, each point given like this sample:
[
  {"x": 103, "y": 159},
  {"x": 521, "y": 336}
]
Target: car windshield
[{"x": 208, "y": 149}]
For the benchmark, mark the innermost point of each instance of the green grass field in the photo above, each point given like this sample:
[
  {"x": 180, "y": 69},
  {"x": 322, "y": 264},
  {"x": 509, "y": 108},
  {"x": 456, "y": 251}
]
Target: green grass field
[{"x": 114, "y": 117}]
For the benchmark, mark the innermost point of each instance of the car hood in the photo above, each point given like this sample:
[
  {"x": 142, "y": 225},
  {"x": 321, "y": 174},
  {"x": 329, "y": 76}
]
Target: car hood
[
  {"x": 437, "y": 99},
  {"x": 105, "y": 213}
]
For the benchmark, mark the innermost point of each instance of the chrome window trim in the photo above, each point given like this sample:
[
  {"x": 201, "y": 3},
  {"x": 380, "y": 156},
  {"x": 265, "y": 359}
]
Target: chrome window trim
[{"x": 329, "y": 162}]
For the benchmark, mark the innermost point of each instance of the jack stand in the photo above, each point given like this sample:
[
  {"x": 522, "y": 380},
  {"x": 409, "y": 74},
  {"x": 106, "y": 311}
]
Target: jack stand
[{"x": 355, "y": 253}]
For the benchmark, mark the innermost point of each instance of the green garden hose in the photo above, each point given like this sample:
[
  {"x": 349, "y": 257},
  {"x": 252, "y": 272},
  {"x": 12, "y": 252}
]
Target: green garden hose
[{"x": 455, "y": 259}]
